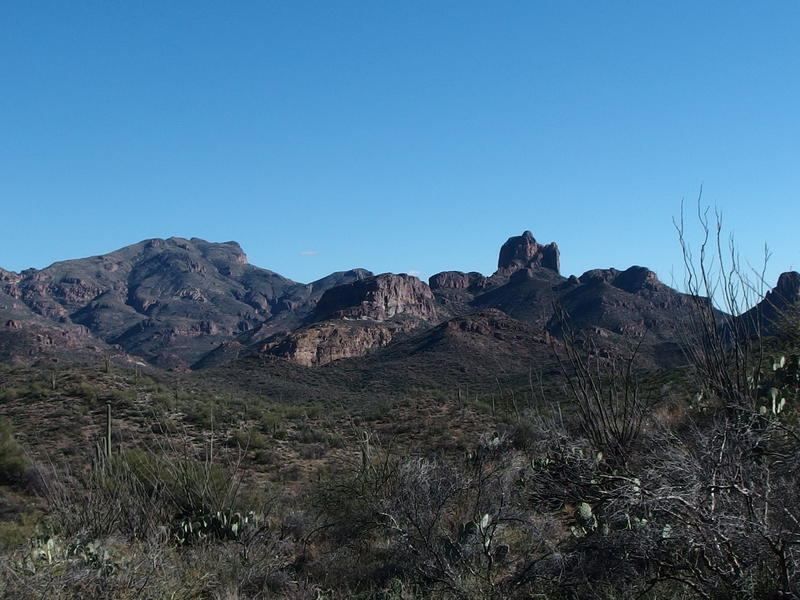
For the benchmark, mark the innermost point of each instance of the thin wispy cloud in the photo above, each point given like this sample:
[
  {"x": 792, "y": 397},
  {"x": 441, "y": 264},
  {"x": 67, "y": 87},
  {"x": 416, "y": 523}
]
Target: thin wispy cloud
[
  {"x": 415, "y": 273},
  {"x": 309, "y": 253}
]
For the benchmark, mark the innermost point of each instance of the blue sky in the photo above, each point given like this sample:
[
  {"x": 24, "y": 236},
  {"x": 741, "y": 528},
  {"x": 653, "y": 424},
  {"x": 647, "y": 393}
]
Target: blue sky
[{"x": 398, "y": 136}]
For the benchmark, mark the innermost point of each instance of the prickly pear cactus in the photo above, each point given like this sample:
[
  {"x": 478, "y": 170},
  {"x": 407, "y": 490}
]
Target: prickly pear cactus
[
  {"x": 220, "y": 525},
  {"x": 587, "y": 521}
]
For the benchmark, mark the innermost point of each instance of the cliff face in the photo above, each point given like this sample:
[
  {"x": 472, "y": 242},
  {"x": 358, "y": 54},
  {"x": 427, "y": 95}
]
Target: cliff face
[
  {"x": 325, "y": 342},
  {"x": 378, "y": 298},
  {"x": 523, "y": 251},
  {"x": 350, "y": 320}
]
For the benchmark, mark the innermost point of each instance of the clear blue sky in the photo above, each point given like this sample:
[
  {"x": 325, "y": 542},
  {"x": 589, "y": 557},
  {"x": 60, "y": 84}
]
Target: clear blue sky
[{"x": 397, "y": 136}]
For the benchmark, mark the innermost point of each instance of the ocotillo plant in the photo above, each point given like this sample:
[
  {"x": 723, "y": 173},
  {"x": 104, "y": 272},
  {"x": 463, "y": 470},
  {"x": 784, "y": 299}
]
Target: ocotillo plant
[
  {"x": 104, "y": 449},
  {"x": 108, "y": 429}
]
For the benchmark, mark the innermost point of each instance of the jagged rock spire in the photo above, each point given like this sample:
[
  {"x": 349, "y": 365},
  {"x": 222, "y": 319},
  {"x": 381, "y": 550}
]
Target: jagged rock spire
[{"x": 523, "y": 251}]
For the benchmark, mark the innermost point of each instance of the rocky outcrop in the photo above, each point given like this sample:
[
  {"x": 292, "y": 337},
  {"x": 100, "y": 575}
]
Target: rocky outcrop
[
  {"x": 783, "y": 300},
  {"x": 171, "y": 301},
  {"x": 378, "y": 298},
  {"x": 8, "y": 277},
  {"x": 457, "y": 280},
  {"x": 489, "y": 322},
  {"x": 25, "y": 342},
  {"x": 523, "y": 251},
  {"x": 322, "y": 343},
  {"x": 632, "y": 280},
  {"x": 187, "y": 302},
  {"x": 351, "y": 319},
  {"x": 787, "y": 291}
]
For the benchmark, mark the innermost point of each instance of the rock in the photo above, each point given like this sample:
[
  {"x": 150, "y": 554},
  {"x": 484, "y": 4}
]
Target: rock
[
  {"x": 765, "y": 318},
  {"x": 378, "y": 298},
  {"x": 457, "y": 280},
  {"x": 632, "y": 280},
  {"x": 598, "y": 275},
  {"x": 322, "y": 343},
  {"x": 485, "y": 322},
  {"x": 635, "y": 279},
  {"x": 525, "y": 274},
  {"x": 353, "y": 318},
  {"x": 8, "y": 277},
  {"x": 788, "y": 288},
  {"x": 523, "y": 251}
]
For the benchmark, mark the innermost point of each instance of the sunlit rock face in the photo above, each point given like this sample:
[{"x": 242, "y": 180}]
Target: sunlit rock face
[{"x": 378, "y": 298}]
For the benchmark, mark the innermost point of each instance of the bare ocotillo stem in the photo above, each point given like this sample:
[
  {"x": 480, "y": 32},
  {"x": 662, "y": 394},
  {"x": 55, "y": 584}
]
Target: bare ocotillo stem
[{"x": 108, "y": 430}]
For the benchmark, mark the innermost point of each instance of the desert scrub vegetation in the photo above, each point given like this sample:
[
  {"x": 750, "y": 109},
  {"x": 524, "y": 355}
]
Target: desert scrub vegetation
[
  {"x": 705, "y": 507},
  {"x": 12, "y": 458},
  {"x": 159, "y": 523},
  {"x": 594, "y": 494}
]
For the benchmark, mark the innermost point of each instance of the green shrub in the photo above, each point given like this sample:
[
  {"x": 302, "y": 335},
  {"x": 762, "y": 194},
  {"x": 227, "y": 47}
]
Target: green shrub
[
  {"x": 122, "y": 398},
  {"x": 12, "y": 459},
  {"x": 162, "y": 402},
  {"x": 14, "y": 534},
  {"x": 249, "y": 438},
  {"x": 144, "y": 493},
  {"x": 38, "y": 389},
  {"x": 306, "y": 434},
  {"x": 85, "y": 390},
  {"x": 200, "y": 414},
  {"x": 9, "y": 393},
  {"x": 270, "y": 422},
  {"x": 293, "y": 412}
]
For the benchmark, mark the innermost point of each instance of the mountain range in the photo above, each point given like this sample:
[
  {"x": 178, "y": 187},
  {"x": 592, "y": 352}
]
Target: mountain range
[{"x": 188, "y": 303}]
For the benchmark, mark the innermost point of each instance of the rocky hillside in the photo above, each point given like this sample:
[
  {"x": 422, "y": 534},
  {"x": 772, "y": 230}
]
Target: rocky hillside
[
  {"x": 782, "y": 297},
  {"x": 191, "y": 303},
  {"x": 170, "y": 301},
  {"x": 353, "y": 318}
]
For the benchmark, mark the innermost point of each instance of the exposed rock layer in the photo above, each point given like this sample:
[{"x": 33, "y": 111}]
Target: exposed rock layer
[
  {"x": 325, "y": 342},
  {"x": 378, "y": 298}
]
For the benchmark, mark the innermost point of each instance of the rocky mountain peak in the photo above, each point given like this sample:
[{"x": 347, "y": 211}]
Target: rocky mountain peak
[
  {"x": 788, "y": 288},
  {"x": 8, "y": 276},
  {"x": 633, "y": 280},
  {"x": 768, "y": 314},
  {"x": 456, "y": 280},
  {"x": 523, "y": 251}
]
